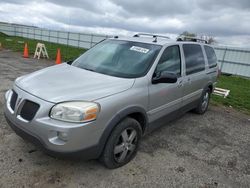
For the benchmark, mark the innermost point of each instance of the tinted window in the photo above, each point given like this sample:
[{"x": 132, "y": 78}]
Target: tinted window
[
  {"x": 194, "y": 58},
  {"x": 119, "y": 58},
  {"x": 211, "y": 57},
  {"x": 170, "y": 61}
]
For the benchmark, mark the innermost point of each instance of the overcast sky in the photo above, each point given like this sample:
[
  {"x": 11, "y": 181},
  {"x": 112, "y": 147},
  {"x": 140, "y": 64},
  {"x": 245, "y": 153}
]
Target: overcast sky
[{"x": 227, "y": 20}]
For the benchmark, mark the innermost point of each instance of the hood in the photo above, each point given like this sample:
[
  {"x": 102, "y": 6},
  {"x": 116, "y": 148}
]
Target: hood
[{"x": 64, "y": 82}]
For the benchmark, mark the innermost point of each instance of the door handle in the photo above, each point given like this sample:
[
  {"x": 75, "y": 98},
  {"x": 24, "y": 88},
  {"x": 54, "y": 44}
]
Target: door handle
[
  {"x": 189, "y": 80},
  {"x": 180, "y": 83}
]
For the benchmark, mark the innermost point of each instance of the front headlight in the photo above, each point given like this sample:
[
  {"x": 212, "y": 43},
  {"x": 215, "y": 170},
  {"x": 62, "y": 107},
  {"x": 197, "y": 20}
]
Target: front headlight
[{"x": 76, "y": 111}]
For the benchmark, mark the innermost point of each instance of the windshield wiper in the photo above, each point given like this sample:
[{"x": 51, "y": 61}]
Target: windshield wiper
[{"x": 92, "y": 70}]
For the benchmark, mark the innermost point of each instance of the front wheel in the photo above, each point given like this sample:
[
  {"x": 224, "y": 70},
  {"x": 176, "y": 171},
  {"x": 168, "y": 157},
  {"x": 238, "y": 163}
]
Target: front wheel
[
  {"x": 204, "y": 102},
  {"x": 122, "y": 144}
]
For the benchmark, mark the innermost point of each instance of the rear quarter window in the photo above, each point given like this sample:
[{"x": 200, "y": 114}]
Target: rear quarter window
[
  {"x": 194, "y": 58},
  {"x": 211, "y": 56}
]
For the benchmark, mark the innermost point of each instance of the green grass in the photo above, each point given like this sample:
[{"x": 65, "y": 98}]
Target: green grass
[
  {"x": 67, "y": 52},
  {"x": 239, "y": 97}
]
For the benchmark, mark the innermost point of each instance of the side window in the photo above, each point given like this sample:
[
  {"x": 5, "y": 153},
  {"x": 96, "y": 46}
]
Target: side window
[
  {"x": 170, "y": 61},
  {"x": 194, "y": 58},
  {"x": 211, "y": 57}
]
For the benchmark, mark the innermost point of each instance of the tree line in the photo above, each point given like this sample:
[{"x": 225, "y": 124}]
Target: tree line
[{"x": 209, "y": 39}]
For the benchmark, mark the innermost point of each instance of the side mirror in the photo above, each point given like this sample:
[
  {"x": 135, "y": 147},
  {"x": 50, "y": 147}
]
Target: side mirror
[
  {"x": 164, "y": 77},
  {"x": 70, "y": 62}
]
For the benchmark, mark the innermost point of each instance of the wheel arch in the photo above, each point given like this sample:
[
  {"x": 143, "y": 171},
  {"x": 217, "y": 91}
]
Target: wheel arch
[
  {"x": 138, "y": 113},
  {"x": 209, "y": 86}
]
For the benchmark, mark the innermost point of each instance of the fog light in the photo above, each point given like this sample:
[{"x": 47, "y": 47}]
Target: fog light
[{"x": 62, "y": 136}]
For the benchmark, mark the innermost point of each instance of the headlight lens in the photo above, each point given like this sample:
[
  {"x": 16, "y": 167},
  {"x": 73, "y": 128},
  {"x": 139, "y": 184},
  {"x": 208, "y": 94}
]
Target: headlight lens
[{"x": 77, "y": 111}]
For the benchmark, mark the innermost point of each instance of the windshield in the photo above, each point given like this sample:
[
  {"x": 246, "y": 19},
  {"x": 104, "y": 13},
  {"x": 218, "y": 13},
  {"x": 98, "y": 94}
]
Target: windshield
[{"x": 119, "y": 58}]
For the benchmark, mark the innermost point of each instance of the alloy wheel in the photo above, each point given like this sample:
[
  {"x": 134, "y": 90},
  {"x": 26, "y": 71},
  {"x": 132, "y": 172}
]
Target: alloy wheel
[
  {"x": 125, "y": 145},
  {"x": 205, "y": 101}
]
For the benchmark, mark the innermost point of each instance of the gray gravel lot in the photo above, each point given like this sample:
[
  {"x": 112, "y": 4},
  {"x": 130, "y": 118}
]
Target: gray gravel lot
[{"x": 212, "y": 150}]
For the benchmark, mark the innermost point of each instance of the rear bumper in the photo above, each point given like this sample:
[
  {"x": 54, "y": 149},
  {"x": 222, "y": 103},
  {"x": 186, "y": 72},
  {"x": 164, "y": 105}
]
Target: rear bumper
[{"x": 87, "y": 153}]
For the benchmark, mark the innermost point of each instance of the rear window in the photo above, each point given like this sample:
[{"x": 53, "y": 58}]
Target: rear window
[
  {"x": 211, "y": 57},
  {"x": 194, "y": 58}
]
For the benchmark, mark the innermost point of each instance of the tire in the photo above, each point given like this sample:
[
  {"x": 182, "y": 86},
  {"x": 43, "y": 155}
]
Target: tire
[
  {"x": 204, "y": 102},
  {"x": 122, "y": 145}
]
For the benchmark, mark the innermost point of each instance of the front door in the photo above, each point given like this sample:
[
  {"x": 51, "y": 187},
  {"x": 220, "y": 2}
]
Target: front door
[{"x": 165, "y": 98}]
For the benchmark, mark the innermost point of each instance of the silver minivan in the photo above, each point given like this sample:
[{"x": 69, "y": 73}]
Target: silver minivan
[{"x": 101, "y": 104}]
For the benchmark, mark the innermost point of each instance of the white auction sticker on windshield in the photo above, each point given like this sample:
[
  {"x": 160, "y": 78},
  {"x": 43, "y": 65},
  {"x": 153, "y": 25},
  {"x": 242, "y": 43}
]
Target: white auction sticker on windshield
[{"x": 139, "y": 49}]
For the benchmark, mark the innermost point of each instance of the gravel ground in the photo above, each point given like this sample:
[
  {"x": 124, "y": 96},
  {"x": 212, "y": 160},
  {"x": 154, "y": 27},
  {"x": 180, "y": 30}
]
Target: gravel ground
[{"x": 194, "y": 151}]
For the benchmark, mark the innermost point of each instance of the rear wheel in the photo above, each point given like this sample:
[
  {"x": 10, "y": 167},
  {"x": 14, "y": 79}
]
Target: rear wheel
[
  {"x": 122, "y": 144},
  {"x": 204, "y": 102}
]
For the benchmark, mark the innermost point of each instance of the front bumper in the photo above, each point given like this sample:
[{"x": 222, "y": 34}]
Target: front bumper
[
  {"x": 81, "y": 139},
  {"x": 87, "y": 153}
]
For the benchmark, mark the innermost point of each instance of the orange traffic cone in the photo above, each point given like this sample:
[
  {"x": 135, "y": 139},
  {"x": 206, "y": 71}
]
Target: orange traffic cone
[
  {"x": 58, "y": 56},
  {"x": 26, "y": 51}
]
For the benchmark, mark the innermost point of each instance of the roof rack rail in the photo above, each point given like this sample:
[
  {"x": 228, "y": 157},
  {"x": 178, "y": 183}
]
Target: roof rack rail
[
  {"x": 153, "y": 35},
  {"x": 193, "y": 39}
]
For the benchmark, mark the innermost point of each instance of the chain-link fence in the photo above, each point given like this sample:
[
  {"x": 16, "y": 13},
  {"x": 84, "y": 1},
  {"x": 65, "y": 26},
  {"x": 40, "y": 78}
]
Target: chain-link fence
[{"x": 82, "y": 40}]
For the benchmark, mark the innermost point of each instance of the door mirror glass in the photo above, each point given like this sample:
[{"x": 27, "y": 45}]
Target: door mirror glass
[{"x": 164, "y": 77}]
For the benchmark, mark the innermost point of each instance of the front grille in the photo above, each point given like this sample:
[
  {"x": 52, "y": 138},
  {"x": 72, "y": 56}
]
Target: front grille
[
  {"x": 13, "y": 100},
  {"x": 29, "y": 110}
]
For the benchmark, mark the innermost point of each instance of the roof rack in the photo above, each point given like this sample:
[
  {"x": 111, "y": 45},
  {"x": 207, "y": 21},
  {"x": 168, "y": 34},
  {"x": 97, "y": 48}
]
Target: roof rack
[
  {"x": 193, "y": 39},
  {"x": 152, "y": 35}
]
